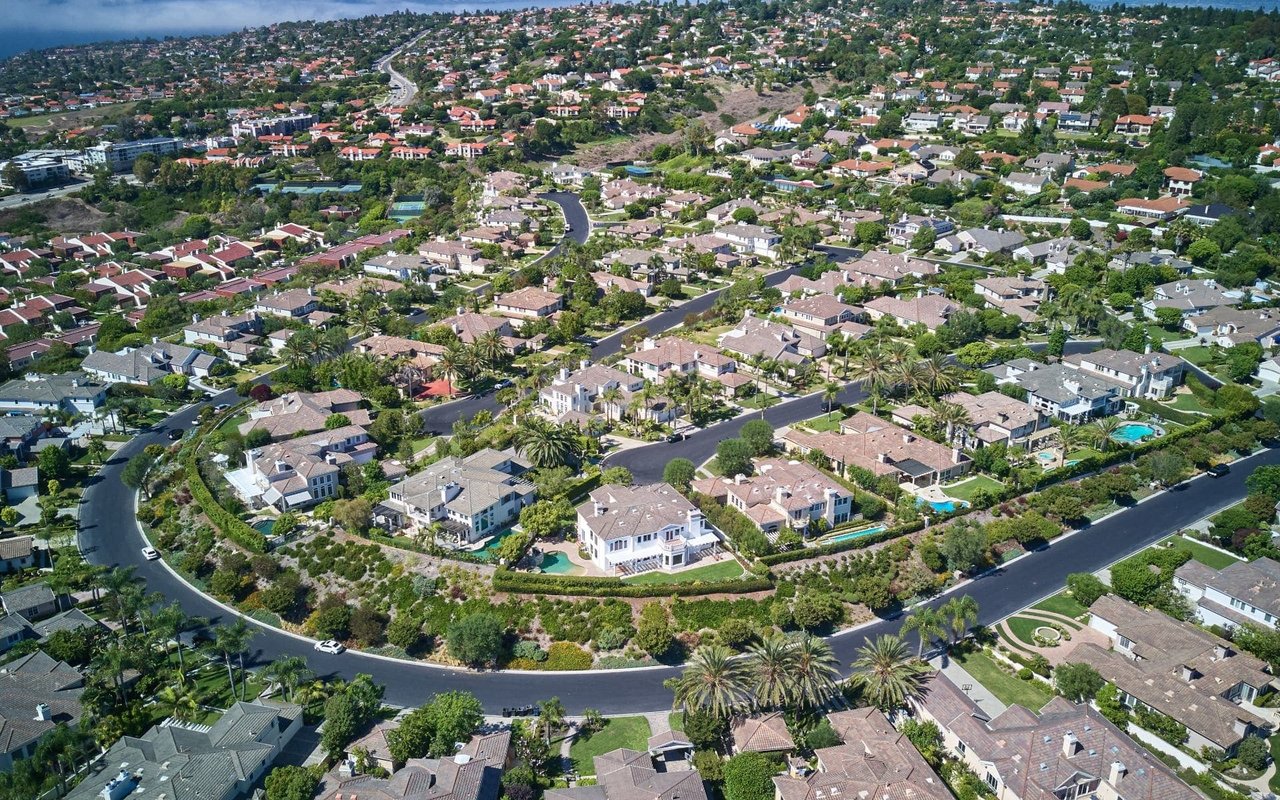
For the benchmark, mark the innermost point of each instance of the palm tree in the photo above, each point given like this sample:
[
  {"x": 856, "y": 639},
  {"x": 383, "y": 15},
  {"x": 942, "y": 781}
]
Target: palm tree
[
  {"x": 114, "y": 658},
  {"x": 952, "y": 415},
  {"x": 909, "y": 377},
  {"x": 168, "y": 623},
  {"x": 886, "y": 673},
  {"x": 871, "y": 368},
  {"x": 814, "y": 672},
  {"x": 771, "y": 663},
  {"x": 938, "y": 375},
  {"x": 927, "y": 624},
  {"x": 302, "y": 347},
  {"x": 124, "y": 596},
  {"x": 179, "y": 701},
  {"x": 713, "y": 681},
  {"x": 289, "y": 672},
  {"x": 830, "y": 392},
  {"x": 962, "y": 613},
  {"x": 611, "y": 397},
  {"x": 1103, "y": 432},
  {"x": 489, "y": 349},
  {"x": 544, "y": 443},
  {"x": 450, "y": 363},
  {"x": 230, "y": 641},
  {"x": 363, "y": 320}
]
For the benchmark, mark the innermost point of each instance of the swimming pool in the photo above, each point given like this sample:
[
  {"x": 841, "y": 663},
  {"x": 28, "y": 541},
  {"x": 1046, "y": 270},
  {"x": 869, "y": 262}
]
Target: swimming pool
[
  {"x": 844, "y": 537},
  {"x": 1046, "y": 455},
  {"x": 490, "y": 551},
  {"x": 264, "y": 526},
  {"x": 558, "y": 564},
  {"x": 1134, "y": 432},
  {"x": 942, "y": 506}
]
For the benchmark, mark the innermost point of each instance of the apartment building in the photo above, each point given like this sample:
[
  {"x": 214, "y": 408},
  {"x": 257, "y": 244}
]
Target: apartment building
[{"x": 119, "y": 156}]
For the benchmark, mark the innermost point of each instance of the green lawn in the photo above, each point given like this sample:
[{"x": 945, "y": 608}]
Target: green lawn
[
  {"x": 1275, "y": 756},
  {"x": 1200, "y": 355},
  {"x": 1062, "y": 603},
  {"x": 1024, "y": 628},
  {"x": 1007, "y": 688},
  {"x": 1191, "y": 404},
  {"x": 759, "y": 400},
  {"x": 827, "y": 423},
  {"x": 965, "y": 490},
  {"x": 629, "y": 732},
  {"x": 724, "y": 570},
  {"x": 1083, "y": 453},
  {"x": 1205, "y": 555}
]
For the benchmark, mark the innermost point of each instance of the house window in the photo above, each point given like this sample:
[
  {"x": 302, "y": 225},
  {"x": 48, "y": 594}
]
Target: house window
[
  {"x": 960, "y": 748},
  {"x": 614, "y": 547},
  {"x": 1125, "y": 643},
  {"x": 993, "y": 782}
]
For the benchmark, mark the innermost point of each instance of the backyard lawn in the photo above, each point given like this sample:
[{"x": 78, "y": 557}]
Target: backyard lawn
[
  {"x": 629, "y": 732},
  {"x": 965, "y": 490},
  {"x": 1062, "y": 603},
  {"x": 724, "y": 570},
  {"x": 1083, "y": 453},
  {"x": 1007, "y": 688},
  {"x": 826, "y": 423},
  {"x": 1205, "y": 555},
  {"x": 1190, "y": 403}
]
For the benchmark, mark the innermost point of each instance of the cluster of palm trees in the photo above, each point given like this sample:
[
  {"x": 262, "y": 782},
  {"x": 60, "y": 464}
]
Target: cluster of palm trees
[
  {"x": 465, "y": 362},
  {"x": 891, "y": 368},
  {"x": 949, "y": 622},
  {"x": 309, "y": 346},
  {"x": 1099, "y": 434},
  {"x": 547, "y": 444},
  {"x": 778, "y": 672}
]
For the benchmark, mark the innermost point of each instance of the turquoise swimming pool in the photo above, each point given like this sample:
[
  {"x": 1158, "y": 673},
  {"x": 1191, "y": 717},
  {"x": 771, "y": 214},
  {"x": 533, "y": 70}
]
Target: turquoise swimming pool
[
  {"x": 844, "y": 537},
  {"x": 1134, "y": 432},
  {"x": 489, "y": 552},
  {"x": 557, "y": 564},
  {"x": 943, "y": 506},
  {"x": 264, "y": 526}
]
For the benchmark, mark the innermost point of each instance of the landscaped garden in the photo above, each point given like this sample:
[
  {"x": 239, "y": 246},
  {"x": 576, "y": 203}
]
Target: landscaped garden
[{"x": 629, "y": 732}]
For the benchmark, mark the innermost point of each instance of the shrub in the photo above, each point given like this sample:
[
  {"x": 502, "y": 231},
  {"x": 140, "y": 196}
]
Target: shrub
[
  {"x": 567, "y": 656},
  {"x": 529, "y": 651}
]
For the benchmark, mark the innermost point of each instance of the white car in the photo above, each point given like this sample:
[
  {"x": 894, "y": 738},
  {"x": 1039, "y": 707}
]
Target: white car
[
  {"x": 329, "y": 646},
  {"x": 150, "y": 553}
]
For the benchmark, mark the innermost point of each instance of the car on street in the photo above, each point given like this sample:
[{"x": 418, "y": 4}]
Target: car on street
[
  {"x": 329, "y": 646},
  {"x": 1218, "y": 470},
  {"x": 175, "y": 434},
  {"x": 220, "y": 407},
  {"x": 676, "y": 437},
  {"x": 505, "y": 383},
  {"x": 150, "y": 553}
]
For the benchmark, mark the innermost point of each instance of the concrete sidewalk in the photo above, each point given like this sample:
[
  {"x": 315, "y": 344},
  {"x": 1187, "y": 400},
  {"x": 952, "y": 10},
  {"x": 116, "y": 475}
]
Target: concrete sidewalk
[{"x": 968, "y": 684}]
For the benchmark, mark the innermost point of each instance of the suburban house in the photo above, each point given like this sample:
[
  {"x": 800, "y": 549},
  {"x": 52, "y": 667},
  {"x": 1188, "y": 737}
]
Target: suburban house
[
  {"x": 633, "y": 775},
  {"x": 35, "y": 601},
  {"x": 1228, "y": 327},
  {"x": 754, "y": 337},
  {"x": 17, "y": 553},
  {"x": 471, "y": 498},
  {"x": 1191, "y": 298},
  {"x": 754, "y": 239},
  {"x": 37, "y": 694},
  {"x": 1025, "y": 183},
  {"x": 303, "y": 412},
  {"x": 291, "y": 304},
  {"x": 221, "y": 329},
  {"x": 869, "y": 442},
  {"x": 146, "y": 365},
  {"x": 877, "y": 268},
  {"x": 994, "y": 418},
  {"x": 782, "y": 494},
  {"x": 1151, "y": 375},
  {"x": 75, "y": 392},
  {"x": 1061, "y": 391},
  {"x": 627, "y": 530},
  {"x": 654, "y": 359},
  {"x": 474, "y": 772},
  {"x": 905, "y": 228},
  {"x": 873, "y": 760},
  {"x": 1020, "y": 296},
  {"x": 761, "y": 733},
  {"x": 528, "y": 303},
  {"x": 225, "y": 760},
  {"x": 820, "y": 313},
  {"x": 1064, "y": 750},
  {"x": 583, "y": 392},
  {"x": 981, "y": 242},
  {"x": 1162, "y": 209},
  {"x": 930, "y": 310},
  {"x": 1179, "y": 670},
  {"x": 301, "y": 472},
  {"x": 1243, "y": 593}
]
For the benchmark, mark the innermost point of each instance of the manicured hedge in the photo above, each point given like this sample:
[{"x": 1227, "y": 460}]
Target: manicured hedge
[
  {"x": 505, "y": 580},
  {"x": 229, "y": 524}
]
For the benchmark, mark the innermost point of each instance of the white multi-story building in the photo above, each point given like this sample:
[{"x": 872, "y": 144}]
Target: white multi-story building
[
  {"x": 273, "y": 125},
  {"x": 301, "y": 472},
  {"x": 472, "y": 498},
  {"x": 632, "y": 529},
  {"x": 119, "y": 156}
]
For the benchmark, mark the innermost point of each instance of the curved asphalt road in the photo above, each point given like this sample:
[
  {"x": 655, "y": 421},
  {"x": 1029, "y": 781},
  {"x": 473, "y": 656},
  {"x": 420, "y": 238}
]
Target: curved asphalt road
[{"x": 110, "y": 535}]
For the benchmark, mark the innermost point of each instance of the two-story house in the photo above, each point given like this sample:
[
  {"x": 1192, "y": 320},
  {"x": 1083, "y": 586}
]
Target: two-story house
[
  {"x": 782, "y": 494},
  {"x": 1151, "y": 375},
  {"x": 1242, "y": 593},
  {"x": 628, "y": 530}
]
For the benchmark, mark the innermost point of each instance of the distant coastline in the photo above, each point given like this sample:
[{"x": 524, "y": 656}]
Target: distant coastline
[{"x": 17, "y": 41}]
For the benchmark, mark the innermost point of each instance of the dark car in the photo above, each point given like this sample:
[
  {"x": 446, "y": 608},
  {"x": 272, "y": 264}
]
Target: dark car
[
  {"x": 676, "y": 437},
  {"x": 1218, "y": 470},
  {"x": 175, "y": 434}
]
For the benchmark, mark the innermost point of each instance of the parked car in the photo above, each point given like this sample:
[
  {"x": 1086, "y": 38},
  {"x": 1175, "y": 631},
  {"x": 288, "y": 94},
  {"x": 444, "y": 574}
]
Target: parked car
[
  {"x": 1218, "y": 470},
  {"x": 329, "y": 646}
]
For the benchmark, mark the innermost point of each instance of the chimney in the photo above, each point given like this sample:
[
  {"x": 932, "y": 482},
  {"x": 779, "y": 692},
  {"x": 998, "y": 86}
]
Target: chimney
[
  {"x": 907, "y": 438},
  {"x": 564, "y": 373},
  {"x": 737, "y": 479},
  {"x": 584, "y": 363},
  {"x": 195, "y": 318},
  {"x": 1221, "y": 651},
  {"x": 1240, "y": 727},
  {"x": 955, "y": 455},
  {"x": 597, "y": 508},
  {"x": 43, "y": 713},
  {"x": 779, "y": 494},
  {"x": 1188, "y": 674},
  {"x": 1070, "y": 744},
  {"x": 1118, "y": 771}
]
